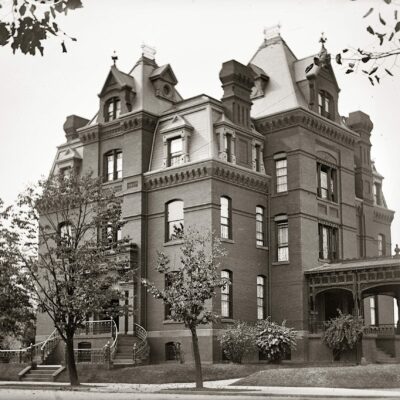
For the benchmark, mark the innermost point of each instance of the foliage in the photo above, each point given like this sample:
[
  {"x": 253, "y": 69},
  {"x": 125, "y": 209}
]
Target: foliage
[
  {"x": 31, "y": 23},
  {"x": 343, "y": 332},
  {"x": 16, "y": 306},
  {"x": 53, "y": 236},
  {"x": 378, "y": 60},
  {"x": 195, "y": 281},
  {"x": 238, "y": 341},
  {"x": 274, "y": 340}
]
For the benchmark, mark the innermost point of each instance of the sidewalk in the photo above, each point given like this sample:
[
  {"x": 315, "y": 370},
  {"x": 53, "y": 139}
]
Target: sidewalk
[{"x": 225, "y": 384}]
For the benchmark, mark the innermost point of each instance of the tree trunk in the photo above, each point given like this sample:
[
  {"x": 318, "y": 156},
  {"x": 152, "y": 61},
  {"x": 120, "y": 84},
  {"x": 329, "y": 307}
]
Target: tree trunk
[
  {"x": 197, "y": 361},
  {"x": 70, "y": 360}
]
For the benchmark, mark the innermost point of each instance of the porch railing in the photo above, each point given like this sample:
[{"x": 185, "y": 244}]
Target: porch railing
[
  {"x": 142, "y": 348},
  {"x": 101, "y": 327},
  {"x": 34, "y": 352},
  {"x": 382, "y": 330}
]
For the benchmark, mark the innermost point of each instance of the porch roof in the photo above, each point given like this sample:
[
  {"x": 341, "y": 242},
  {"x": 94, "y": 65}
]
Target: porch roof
[{"x": 356, "y": 264}]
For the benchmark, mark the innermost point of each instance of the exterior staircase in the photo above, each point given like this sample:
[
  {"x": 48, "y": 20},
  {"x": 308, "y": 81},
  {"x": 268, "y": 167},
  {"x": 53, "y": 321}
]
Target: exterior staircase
[
  {"x": 41, "y": 373},
  {"x": 382, "y": 357},
  {"x": 124, "y": 353}
]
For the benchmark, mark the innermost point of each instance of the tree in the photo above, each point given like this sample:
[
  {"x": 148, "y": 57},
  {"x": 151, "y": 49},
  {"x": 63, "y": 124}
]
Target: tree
[
  {"x": 238, "y": 341},
  {"x": 31, "y": 21},
  {"x": 195, "y": 282},
  {"x": 16, "y": 306},
  {"x": 54, "y": 236},
  {"x": 378, "y": 60},
  {"x": 343, "y": 333}
]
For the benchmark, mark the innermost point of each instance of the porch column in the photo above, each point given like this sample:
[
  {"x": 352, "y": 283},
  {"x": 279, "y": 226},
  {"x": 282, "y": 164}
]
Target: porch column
[{"x": 398, "y": 314}]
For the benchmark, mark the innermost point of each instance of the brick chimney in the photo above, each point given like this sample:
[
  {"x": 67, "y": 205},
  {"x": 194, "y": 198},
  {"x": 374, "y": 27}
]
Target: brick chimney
[
  {"x": 71, "y": 124},
  {"x": 237, "y": 83}
]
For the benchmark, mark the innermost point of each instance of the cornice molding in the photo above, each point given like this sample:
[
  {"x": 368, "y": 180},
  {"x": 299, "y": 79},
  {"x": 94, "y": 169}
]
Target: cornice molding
[
  {"x": 384, "y": 216},
  {"x": 305, "y": 119},
  {"x": 140, "y": 120},
  {"x": 206, "y": 170}
]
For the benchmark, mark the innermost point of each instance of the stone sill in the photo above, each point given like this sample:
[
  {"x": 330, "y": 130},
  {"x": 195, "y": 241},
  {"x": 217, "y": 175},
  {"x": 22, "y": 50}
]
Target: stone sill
[
  {"x": 262, "y": 247},
  {"x": 227, "y": 241},
  {"x": 281, "y": 263},
  {"x": 173, "y": 243}
]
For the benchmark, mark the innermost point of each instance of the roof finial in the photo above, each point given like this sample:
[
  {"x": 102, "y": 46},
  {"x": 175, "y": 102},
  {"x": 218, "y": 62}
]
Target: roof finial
[
  {"x": 271, "y": 32},
  {"x": 323, "y": 39},
  {"x": 114, "y": 57},
  {"x": 148, "y": 51}
]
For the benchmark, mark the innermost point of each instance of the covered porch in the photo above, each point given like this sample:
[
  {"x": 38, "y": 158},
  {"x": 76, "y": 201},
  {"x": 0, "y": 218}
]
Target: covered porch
[{"x": 369, "y": 288}]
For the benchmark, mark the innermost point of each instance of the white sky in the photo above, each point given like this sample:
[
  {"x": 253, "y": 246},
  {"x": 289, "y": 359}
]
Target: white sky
[{"x": 195, "y": 37}]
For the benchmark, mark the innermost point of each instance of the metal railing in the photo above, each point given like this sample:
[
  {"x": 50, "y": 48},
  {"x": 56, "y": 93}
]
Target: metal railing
[
  {"x": 101, "y": 327},
  {"x": 141, "y": 350}
]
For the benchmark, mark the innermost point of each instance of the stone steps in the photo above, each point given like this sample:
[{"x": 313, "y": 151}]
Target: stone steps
[{"x": 40, "y": 373}]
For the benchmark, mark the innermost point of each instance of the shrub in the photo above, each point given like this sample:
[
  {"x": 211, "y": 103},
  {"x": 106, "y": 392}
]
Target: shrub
[
  {"x": 274, "y": 340},
  {"x": 238, "y": 341},
  {"x": 343, "y": 333}
]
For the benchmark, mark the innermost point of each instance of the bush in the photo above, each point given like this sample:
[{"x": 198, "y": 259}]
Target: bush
[
  {"x": 238, "y": 341},
  {"x": 275, "y": 341},
  {"x": 343, "y": 333}
]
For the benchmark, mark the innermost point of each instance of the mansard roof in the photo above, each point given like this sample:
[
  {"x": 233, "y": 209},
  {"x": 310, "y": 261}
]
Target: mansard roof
[{"x": 285, "y": 72}]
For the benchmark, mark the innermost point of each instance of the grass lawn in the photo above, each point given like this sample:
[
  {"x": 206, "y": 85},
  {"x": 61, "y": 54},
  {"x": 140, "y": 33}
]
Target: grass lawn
[
  {"x": 162, "y": 373},
  {"x": 9, "y": 371},
  {"x": 357, "y": 377}
]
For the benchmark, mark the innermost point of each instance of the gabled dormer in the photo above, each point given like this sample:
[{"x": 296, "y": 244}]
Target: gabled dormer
[
  {"x": 317, "y": 81},
  {"x": 117, "y": 95},
  {"x": 164, "y": 81}
]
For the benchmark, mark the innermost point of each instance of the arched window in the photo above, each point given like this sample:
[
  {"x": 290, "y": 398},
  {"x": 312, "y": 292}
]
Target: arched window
[
  {"x": 84, "y": 352},
  {"x": 325, "y": 104},
  {"x": 226, "y": 295},
  {"x": 260, "y": 226},
  {"x": 112, "y": 109},
  {"x": 113, "y": 165},
  {"x": 226, "y": 218},
  {"x": 174, "y": 220},
  {"x": 170, "y": 351},
  {"x": 261, "y": 309}
]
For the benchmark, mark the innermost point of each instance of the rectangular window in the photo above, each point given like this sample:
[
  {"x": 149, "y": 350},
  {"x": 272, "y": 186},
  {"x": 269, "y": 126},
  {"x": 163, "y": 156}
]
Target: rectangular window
[
  {"x": 228, "y": 146},
  {"x": 226, "y": 295},
  {"x": 326, "y": 182},
  {"x": 113, "y": 165},
  {"x": 261, "y": 309},
  {"x": 377, "y": 194},
  {"x": 282, "y": 241},
  {"x": 372, "y": 307},
  {"x": 328, "y": 242},
  {"x": 281, "y": 175},
  {"x": 258, "y": 157},
  {"x": 226, "y": 225},
  {"x": 381, "y": 245},
  {"x": 175, "y": 220},
  {"x": 260, "y": 226},
  {"x": 175, "y": 149}
]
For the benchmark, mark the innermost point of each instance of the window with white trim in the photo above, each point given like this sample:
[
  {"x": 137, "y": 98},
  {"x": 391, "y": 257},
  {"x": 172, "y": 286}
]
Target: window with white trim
[
  {"x": 327, "y": 187},
  {"x": 328, "y": 242},
  {"x": 381, "y": 245},
  {"x": 281, "y": 175},
  {"x": 113, "y": 165},
  {"x": 282, "y": 240},
  {"x": 226, "y": 217},
  {"x": 113, "y": 109},
  {"x": 261, "y": 309},
  {"x": 226, "y": 295},
  {"x": 260, "y": 226},
  {"x": 174, "y": 220}
]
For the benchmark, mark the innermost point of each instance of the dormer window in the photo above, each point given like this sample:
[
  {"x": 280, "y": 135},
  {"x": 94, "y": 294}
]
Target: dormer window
[
  {"x": 113, "y": 109},
  {"x": 325, "y": 104},
  {"x": 175, "y": 151}
]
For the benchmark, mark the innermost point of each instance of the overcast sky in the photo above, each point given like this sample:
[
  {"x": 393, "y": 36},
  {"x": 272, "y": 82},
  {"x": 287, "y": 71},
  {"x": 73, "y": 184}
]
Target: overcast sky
[{"x": 195, "y": 37}]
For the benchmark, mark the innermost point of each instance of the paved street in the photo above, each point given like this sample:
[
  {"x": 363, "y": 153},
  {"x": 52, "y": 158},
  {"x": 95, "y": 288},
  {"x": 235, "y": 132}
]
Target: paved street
[
  {"x": 107, "y": 392},
  {"x": 21, "y": 394}
]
